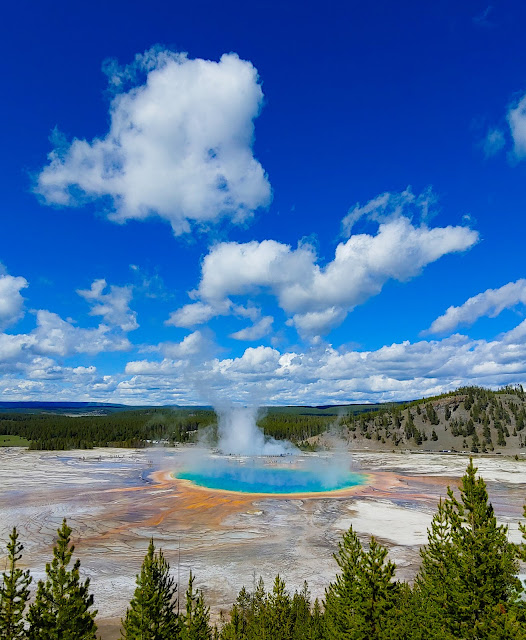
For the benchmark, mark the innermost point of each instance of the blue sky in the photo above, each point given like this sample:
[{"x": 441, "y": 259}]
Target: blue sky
[{"x": 267, "y": 203}]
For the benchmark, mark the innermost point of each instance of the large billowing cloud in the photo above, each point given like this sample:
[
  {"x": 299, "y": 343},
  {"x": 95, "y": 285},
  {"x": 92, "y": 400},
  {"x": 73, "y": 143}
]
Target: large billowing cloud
[
  {"x": 318, "y": 297},
  {"x": 324, "y": 374},
  {"x": 489, "y": 303},
  {"x": 11, "y": 300},
  {"x": 190, "y": 371},
  {"x": 179, "y": 146}
]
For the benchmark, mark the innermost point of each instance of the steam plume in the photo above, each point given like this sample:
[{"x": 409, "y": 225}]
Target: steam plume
[{"x": 240, "y": 435}]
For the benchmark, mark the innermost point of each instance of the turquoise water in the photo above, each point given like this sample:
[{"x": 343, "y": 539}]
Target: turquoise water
[{"x": 265, "y": 480}]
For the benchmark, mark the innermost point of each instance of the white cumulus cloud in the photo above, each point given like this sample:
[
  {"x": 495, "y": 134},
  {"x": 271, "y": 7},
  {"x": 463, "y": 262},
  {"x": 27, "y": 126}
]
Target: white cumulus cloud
[
  {"x": 324, "y": 374},
  {"x": 57, "y": 337},
  {"x": 318, "y": 297},
  {"x": 179, "y": 146},
  {"x": 191, "y": 315},
  {"x": 488, "y": 303},
  {"x": 194, "y": 344},
  {"x": 11, "y": 300}
]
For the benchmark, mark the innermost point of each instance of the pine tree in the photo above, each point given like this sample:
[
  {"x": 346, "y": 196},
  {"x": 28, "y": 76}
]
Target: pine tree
[
  {"x": 430, "y": 594},
  {"x": 236, "y": 628},
  {"x": 522, "y": 547},
  {"x": 14, "y": 592},
  {"x": 196, "y": 625},
  {"x": 360, "y": 604},
  {"x": 316, "y": 625},
  {"x": 62, "y": 603},
  {"x": 468, "y": 569},
  {"x": 300, "y": 613},
  {"x": 279, "y": 611},
  {"x": 152, "y": 612}
]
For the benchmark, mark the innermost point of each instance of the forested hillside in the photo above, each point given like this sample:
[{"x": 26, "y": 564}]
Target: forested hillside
[{"x": 469, "y": 419}]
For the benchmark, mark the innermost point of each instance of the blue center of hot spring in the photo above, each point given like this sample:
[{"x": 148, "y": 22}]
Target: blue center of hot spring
[{"x": 269, "y": 480}]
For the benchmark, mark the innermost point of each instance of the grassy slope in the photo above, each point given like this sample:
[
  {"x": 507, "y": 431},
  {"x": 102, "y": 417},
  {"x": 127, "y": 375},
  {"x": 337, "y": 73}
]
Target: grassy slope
[{"x": 13, "y": 441}]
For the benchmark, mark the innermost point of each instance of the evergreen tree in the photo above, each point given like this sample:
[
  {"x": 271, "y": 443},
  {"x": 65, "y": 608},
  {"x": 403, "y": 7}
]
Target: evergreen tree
[
  {"x": 152, "y": 612},
  {"x": 467, "y": 578},
  {"x": 14, "y": 592},
  {"x": 361, "y": 603},
  {"x": 430, "y": 594},
  {"x": 236, "y": 628},
  {"x": 274, "y": 615},
  {"x": 247, "y": 616},
  {"x": 196, "y": 625},
  {"x": 300, "y": 613},
  {"x": 62, "y": 603},
  {"x": 317, "y": 625}
]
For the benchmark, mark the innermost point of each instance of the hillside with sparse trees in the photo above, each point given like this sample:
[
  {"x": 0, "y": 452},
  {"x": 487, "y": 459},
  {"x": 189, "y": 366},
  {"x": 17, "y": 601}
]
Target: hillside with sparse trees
[{"x": 470, "y": 419}]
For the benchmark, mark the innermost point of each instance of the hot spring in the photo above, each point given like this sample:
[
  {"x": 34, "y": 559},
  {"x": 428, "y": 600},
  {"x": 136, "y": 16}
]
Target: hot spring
[
  {"x": 264, "y": 478},
  {"x": 252, "y": 462}
]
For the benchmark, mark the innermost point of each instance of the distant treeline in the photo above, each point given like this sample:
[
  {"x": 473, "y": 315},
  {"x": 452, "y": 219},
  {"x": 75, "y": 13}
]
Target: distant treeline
[
  {"x": 466, "y": 589},
  {"x": 479, "y": 418},
  {"x": 139, "y": 428},
  {"x": 123, "y": 429}
]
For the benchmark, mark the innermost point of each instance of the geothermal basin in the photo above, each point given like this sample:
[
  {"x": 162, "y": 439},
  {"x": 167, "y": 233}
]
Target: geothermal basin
[{"x": 117, "y": 499}]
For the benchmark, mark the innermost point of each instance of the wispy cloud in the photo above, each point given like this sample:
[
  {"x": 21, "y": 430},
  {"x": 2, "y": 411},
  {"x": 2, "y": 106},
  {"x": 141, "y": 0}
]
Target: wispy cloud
[
  {"x": 517, "y": 123},
  {"x": 483, "y": 19},
  {"x": 488, "y": 303},
  {"x": 493, "y": 142}
]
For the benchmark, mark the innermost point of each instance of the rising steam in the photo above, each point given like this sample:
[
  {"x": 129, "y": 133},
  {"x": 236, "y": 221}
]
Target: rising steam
[
  {"x": 243, "y": 465},
  {"x": 239, "y": 434}
]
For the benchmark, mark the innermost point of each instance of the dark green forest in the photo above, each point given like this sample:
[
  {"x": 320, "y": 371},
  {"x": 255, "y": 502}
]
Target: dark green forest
[
  {"x": 466, "y": 589},
  {"x": 467, "y": 419},
  {"x": 141, "y": 427}
]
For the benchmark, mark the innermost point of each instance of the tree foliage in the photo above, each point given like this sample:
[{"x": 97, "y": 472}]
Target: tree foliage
[
  {"x": 468, "y": 576},
  {"x": 196, "y": 620},
  {"x": 14, "y": 592},
  {"x": 152, "y": 614},
  {"x": 61, "y": 610},
  {"x": 361, "y": 602}
]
